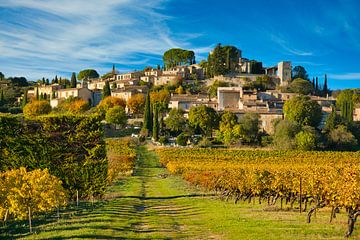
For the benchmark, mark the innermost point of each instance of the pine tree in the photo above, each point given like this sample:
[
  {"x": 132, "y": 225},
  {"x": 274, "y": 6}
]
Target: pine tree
[
  {"x": 106, "y": 90},
  {"x": 325, "y": 89},
  {"x": 73, "y": 80},
  {"x": 147, "y": 114},
  {"x": 155, "y": 131},
  {"x": 24, "y": 100}
]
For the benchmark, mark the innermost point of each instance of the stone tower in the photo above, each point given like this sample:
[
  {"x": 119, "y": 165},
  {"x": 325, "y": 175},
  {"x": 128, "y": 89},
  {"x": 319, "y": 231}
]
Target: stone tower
[{"x": 284, "y": 72}]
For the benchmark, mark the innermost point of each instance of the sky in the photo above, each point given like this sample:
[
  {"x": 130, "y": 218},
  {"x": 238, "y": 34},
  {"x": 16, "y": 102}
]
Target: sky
[{"x": 44, "y": 38}]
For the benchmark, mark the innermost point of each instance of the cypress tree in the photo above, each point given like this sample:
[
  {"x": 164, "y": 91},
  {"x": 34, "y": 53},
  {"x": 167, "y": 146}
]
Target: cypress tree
[
  {"x": 53, "y": 96},
  {"x": 147, "y": 114},
  {"x": 43, "y": 81},
  {"x": 2, "y": 98},
  {"x": 56, "y": 80},
  {"x": 41, "y": 96},
  {"x": 37, "y": 94},
  {"x": 155, "y": 131},
  {"x": 313, "y": 83},
  {"x": 73, "y": 80},
  {"x": 24, "y": 100},
  {"x": 316, "y": 86},
  {"x": 106, "y": 90},
  {"x": 113, "y": 69},
  {"x": 325, "y": 90},
  {"x": 47, "y": 82}
]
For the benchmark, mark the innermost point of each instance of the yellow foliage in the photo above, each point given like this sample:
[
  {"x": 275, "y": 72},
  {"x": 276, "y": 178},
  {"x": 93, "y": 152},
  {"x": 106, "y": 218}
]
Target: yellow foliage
[
  {"x": 37, "y": 190},
  {"x": 36, "y": 108},
  {"x": 136, "y": 103},
  {"x": 110, "y": 102},
  {"x": 75, "y": 106}
]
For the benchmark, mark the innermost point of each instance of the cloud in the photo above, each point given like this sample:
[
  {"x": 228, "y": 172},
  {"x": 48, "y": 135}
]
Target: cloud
[
  {"x": 345, "y": 76},
  {"x": 39, "y": 38},
  {"x": 285, "y": 45}
]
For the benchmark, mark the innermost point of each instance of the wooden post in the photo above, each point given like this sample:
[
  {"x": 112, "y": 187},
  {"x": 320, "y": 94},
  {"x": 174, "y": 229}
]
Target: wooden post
[
  {"x": 77, "y": 198},
  {"x": 300, "y": 194},
  {"x": 30, "y": 226}
]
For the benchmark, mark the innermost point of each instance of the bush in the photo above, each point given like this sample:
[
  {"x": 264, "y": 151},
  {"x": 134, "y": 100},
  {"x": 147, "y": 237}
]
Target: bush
[
  {"x": 306, "y": 140},
  {"x": 204, "y": 143},
  {"x": 182, "y": 139},
  {"x": 116, "y": 116},
  {"x": 36, "y": 108},
  {"x": 342, "y": 139},
  {"x": 284, "y": 134},
  {"x": 163, "y": 140}
]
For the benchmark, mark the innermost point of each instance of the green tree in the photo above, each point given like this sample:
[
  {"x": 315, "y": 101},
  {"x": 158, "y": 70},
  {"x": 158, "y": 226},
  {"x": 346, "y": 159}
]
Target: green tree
[
  {"x": 325, "y": 88},
  {"x": 332, "y": 121},
  {"x": 2, "y": 98},
  {"x": 147, "y": 114},
  {"x": 248, "y": 128},
  {"x": 2, "y": 76},
  {"x": 176, "y": 56},
  {"x": 87, "y": 74},
  {"x": 117, "y": 116},
  {"x": 37, "y": 96},
  {"x": 342, "y": 139},
  {"x": 345, "y": 102},
  {"x": 176, "y": 122},
  {"x": 73, "y": 81},
  {"x": 303, "y": 110},
  {"x": 284, "y": 134},
  {"x": 306, "y": 139},
  {"x": 299, "y": 72},
  {"x": 25, "y": 99},
  {"x": 56, "y": 80},
  {"x": 203, "y": 118},
  {"x": 301, "y": 86},
  {"x": 106, "y": 90},
  {"x": 156, "y": 127},
  {"x": 226, "y": 127},
  {"x": 212, "y": 89}
]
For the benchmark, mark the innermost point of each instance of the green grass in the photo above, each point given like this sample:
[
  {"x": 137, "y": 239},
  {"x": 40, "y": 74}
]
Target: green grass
[{"x": 148, "y": 206}]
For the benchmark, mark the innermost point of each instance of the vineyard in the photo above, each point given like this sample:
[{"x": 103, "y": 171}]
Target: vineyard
[{"x": 303, "y": 180}]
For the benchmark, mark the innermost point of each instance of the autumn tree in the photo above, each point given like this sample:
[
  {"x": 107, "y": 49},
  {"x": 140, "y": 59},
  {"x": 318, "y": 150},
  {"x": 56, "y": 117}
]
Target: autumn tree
[
  {"x": 36, "y": 108},
  {"x": 31, "y": 192},
  {"x": 136, "y": 103},
  {"x": 74, "y": 105},
  {"x": 110, "y": 102}
]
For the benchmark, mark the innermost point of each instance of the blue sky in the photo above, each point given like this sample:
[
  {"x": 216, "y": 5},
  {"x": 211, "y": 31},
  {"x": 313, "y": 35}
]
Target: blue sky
[{"x": 47, "y": 37}]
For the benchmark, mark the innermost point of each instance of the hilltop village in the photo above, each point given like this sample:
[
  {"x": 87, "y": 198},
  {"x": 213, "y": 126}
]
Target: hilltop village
[{"x": 250, "y": 88}]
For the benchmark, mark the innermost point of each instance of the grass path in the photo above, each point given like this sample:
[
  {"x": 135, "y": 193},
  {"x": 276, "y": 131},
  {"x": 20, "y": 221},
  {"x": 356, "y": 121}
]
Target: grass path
[{"x": 152, "y": 205}]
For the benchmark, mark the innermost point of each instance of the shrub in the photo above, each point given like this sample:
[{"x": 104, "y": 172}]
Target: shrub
[
  {"x": 182, "y": 139},
  {"x": 36, "y": 108}
]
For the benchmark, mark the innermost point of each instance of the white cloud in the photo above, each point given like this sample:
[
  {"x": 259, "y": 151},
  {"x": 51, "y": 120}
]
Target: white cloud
[
  {"x": 45, "y": 37},
  {"x": 345, "y": 76},
  {"x": 285, "y": 45}
]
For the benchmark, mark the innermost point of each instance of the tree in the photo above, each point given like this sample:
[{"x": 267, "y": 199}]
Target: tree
[
  {"x": 176, "y": 56},
  {"x": 306, "y": 139},
  {"x": 325, "y": 88},
  {"x": 156, "y": 128},
  {"x": 37, "y": 96},
  {"x": 161, "y": 97},
  {"x": 212, "y": 89},
  {"x": 284, "y": 134},
  {"x": 342, "y": 139},
  {"x": 2, "y": 76},
  {"x": 345, "y": 102},
  {"x": 31, "y": 192},
  {"x": 88, "y": 74},
  {"x": 36, "y": 108},
  {"x": 301, "y": 86},
  {"x": 136, "y": 103},
  {"x": 175, "y": 121},
  {"x": 303, "y": 110},
  {"x": 248, "y": 128},
  {"x": 25, "y": 99},
  {"x": 264, "y": 83},
  {"x": 73, "y": 81},
  {"x": 2, "y": 98},
  {"x": 203, "y": 118},
  {"x": 74, "y": 105},
  {"x": 106, "y": 90},
  {"x": 222, "y": 60},
  {"x": 299, "y": 72},
  {"x": 226, "y": 127},
  {"x": 332, "y": 121},
  {"x": 19, "y": 81},
  {"x": 56, "y": 80},
  {"x": 116, "y": 115},
  {"x": 147, "y": 114},
  {"x": 110, "y": 102}
]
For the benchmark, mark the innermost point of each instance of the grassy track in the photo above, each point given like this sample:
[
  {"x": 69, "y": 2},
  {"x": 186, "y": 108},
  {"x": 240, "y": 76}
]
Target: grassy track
[{"x": 152, "y": 205}]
